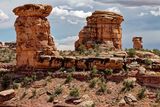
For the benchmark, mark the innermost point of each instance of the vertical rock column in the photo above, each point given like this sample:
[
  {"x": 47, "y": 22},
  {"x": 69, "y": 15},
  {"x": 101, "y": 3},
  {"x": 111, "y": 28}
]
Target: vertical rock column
[
  {"x": 137, "y": 43},
  {"x": 103, "y": 28},
  {"x": 33, "y": 34}
]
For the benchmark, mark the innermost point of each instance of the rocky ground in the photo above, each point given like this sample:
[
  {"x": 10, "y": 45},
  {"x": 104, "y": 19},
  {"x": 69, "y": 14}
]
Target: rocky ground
[
  {"x": 96, "y": 92},
  {"x": 68, "y": 88}
]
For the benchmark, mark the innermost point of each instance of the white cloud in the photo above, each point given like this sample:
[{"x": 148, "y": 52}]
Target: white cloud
[
  {"x": 143, "y": 14},
  {"x": 66, "y": 43},
  {"x": 3, "y": 16},
  {"x": 80, "y": 13},
  {"x": 64, "y": 12},
  {"x": 114, "y": 9},
  {"x": 155, "y": 12},
  {"x": 72, "y": 16}
]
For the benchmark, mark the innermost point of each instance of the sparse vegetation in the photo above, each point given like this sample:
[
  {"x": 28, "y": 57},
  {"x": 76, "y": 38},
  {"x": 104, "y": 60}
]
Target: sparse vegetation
[
  {"x": 141, "y": 93},
  {"x": 58, "y": 90},
  {"x": 6, "y": 80},
  {"x": 93, "y": 82},
  {"x": 74, "y": 92},
  {"x": 158, "y": 96},
  {"x": 148, "y": 61},
  {"x": 94, "y": 70},
  {"x": 156, "y": 51},
  {"x": 68, "y": 79},
  {"x": 108, "y": 71},
  {"x": 102, "y": 88},
  {"x": 127, "y": 85},
  {"x": 131, "y": 52}
]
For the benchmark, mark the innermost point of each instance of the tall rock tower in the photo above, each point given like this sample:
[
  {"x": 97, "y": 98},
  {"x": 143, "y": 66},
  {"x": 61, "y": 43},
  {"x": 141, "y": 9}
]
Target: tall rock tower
[
  {"x": 33, "y": 34},
  {"x": 137, "y": 43},
  {"x": 103, "y": 27}
]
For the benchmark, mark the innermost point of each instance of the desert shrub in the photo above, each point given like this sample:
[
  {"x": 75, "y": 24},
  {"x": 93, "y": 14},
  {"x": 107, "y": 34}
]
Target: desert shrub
[
  {"x": 102, "y": 88},
  {"x": 92, "y": 83},
  {"x": 6, "y": 80},
  {"x": 148, "y": 62},
  {"x": 158, "y": 96},
  {"x": 141, "y": 93},
  {"x": 81, "y": 49},
  {"x": 58, "y": 90},
  {"x": 68, "y": 79},
  {"x": 127, "y": 85},
  {"x": 131, "y": 52},
  {"x": 27, "y": 81},
  {"x": 108, "y": 71},
  {"x": 74, "y": 92},
  {"x": 15, "y": 85},
  {"x": 156, "y": 51},
  {"x": 94, "y": 70}
]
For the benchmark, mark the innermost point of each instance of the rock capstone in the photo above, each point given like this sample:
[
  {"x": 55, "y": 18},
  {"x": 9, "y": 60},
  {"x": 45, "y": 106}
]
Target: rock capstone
[{"x": 102, "y": 26}]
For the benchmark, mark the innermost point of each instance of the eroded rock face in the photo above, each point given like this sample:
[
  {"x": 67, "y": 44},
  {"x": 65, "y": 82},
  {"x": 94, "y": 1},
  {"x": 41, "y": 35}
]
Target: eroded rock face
[
  {"x": 102, "y": 26},
  {"x": 33, "y": 34},
  {"x": 137, "y": 43}
]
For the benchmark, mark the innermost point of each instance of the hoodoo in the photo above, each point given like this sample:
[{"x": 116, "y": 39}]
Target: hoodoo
[
  {"x": 33, "y": 34},
  {"x": 137, "y": 43},
  {"x": 104, "y": 29}
]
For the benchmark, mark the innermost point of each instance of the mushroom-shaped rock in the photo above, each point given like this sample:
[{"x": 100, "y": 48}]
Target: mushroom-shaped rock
[{"x": 33, "y": 10}]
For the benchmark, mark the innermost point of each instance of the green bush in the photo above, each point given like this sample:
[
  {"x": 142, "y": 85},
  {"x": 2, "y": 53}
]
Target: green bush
[
  {"x": 94, "y": 70},
  {"x": 127, "y": 85},
  {"x": 148, "y": 62},
  {"x": 6, "y": 80},
  {"x": 92, "y": 83},
  {"x": 58, "y": 90},
  {"x": 102, "y": 88},
  {"x": 141, "y": 93},
  {"x": 108, "y": 71},
  {"x": 68, "y": 79},
  {"x": 74, "y": 92},
  {"x": 158, "y": 96},
  {"x": 156, "y": 51},
  {"x": 131, "y": 52}
]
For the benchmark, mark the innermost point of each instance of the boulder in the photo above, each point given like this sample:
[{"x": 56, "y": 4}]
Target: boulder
[
  {"x": 6, "y": 95},
  {"x": 88, "y": 103}
]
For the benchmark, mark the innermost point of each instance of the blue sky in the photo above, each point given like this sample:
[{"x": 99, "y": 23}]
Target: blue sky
[{"x": 141, "y": 18}]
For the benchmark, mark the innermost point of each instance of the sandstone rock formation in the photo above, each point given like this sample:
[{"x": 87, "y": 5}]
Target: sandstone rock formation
[
  {"x": 102, "y": 26},
  {"x": 33, "y": 34},
  {"x": 137, "y": 43}
]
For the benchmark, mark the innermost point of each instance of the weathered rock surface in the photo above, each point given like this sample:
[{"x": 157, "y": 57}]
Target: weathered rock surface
[
  {"x": 137, "y": 43},
  {"x": 102, "y": 27},
  {"x": 6, "y": 95},
  {"x": 33, "y": 10},
  {"x": 33, "y": 34}
]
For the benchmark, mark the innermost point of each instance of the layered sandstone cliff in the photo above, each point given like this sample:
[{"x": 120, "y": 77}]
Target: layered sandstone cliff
[
  {"x": 33, "y": 34},
  {"x": 103, "y": 28}
]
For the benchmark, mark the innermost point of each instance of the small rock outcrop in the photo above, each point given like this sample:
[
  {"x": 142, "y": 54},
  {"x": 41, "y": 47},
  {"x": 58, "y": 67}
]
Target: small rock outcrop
[
  {"x": 6, "y": 95},
  {"x": 137, "y": 43},
  {"x": 103, "y": 27},
  {"x": 33, "y": 34}
]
